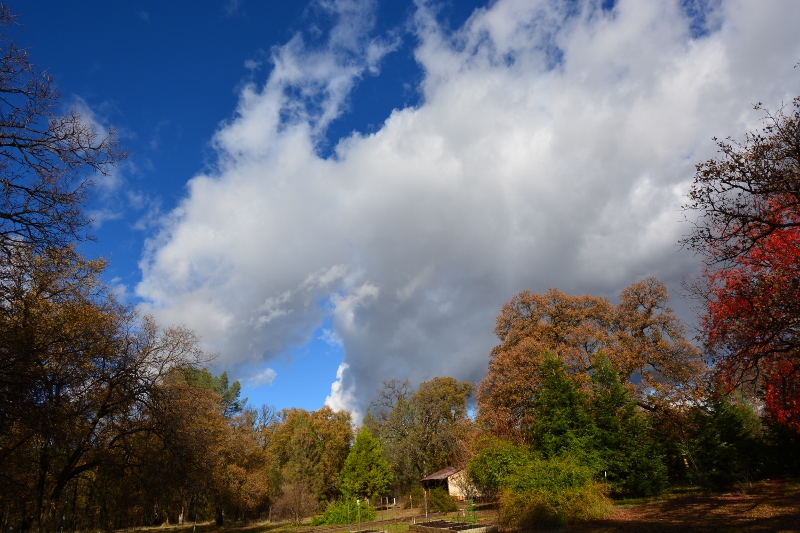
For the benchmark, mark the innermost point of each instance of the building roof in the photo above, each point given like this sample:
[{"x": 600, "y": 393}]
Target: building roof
[{"x": 443, "y": 473}]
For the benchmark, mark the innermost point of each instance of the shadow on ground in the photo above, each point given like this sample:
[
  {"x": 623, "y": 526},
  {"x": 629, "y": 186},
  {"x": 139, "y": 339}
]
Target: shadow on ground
[{"x": 768, "y": 506}]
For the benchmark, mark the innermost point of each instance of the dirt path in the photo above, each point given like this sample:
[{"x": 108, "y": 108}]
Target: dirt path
[{"x": 768, "y": 506}]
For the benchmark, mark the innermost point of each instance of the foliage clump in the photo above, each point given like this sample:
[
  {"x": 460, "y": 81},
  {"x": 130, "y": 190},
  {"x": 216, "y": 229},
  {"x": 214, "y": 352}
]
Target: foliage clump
[
  {"x": 724, "y": 443},
  {"x": 345, "y": 511},
  {"x": 535, "y": 491},
  {"x": 440, "y": 501},
  {"x": 549, "y": 492}
]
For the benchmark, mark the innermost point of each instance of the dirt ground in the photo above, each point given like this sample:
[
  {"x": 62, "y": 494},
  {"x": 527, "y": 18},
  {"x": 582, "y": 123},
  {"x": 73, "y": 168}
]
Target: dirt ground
[{"x": 766, "y": 506}]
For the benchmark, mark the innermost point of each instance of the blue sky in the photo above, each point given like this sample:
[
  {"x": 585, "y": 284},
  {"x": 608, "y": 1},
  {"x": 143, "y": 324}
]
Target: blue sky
[
  {"x": 337, "y": 192},
  {"x": 165, "y": 75}
]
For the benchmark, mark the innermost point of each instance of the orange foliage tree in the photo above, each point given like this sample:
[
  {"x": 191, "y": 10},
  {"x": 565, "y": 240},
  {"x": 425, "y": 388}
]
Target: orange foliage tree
[
  {"x": 308, "y": 450},
  {"x": 78, "y": 376},
  {"x": 640, "y": 336}
]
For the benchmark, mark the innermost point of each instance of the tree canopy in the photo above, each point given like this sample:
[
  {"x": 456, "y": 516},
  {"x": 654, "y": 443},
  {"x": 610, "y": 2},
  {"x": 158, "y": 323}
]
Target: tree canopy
[
  {"x": 748, "y": 200},
  {"x": 229, "y": 393},
  {"x": 309, "y": 448},
  {"x": 641, "y": 337},
  {"x": 365, "y": 473},
  {"x": 420, "y": 431},
  {"x": 80, "y": 375},
  {"x": 750, "y": 191}
]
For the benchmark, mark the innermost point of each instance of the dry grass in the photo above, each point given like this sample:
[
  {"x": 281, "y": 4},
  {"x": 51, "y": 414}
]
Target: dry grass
[
  {"x": 392, "y": 521},
  {"x": 766, "y": 506}
]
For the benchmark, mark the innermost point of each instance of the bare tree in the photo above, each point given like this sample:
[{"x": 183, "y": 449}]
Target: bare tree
[
  {"x": 47, "y": 159},
  {"x": 750, "y": 191},
  {"x": 296, "y": 502}
]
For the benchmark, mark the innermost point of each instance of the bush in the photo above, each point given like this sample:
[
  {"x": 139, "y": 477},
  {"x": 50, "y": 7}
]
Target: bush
[
  {"x": 782, "y": 450},
  {"x": 345, "y": 512},
  {"x": 413, "y": 498},
  {"x": 295, "y": 503},
  {"x": 550, "y": 492},
  {"x": 495, "y": 461},
  {"x": 440, "y": 501},
  {"x": 537, "y": 491}
]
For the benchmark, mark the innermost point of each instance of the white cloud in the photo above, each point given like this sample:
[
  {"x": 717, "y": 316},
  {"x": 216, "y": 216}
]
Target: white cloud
[
  {"x": 341, "y": 397},
  {"x": 331, "y": 338},
  {"x": 233, "y": 8},
  {"x": 265, "y": 377},
  {"x": 252, "y": 64},
  {"x": 552, "y": 147},
  {"x": 119, "y": 289}
]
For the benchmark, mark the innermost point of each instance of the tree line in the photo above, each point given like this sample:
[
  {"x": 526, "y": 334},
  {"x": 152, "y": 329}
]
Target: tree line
[{"x": 109, "y": 420}]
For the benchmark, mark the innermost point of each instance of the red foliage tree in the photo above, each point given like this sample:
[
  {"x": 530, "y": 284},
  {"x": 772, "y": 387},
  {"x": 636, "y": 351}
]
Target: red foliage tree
[
  {"x": 752, "y": 324},
  {"x": 749, "y": 229}
]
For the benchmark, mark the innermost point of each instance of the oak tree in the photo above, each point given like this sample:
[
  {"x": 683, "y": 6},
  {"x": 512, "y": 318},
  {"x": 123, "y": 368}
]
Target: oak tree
[
  {"x": 641, "y": 337},
  {"x": 309, "y": 450},
  {"x": 78, "y": 373},
  {"x": 420, "y": 431}
]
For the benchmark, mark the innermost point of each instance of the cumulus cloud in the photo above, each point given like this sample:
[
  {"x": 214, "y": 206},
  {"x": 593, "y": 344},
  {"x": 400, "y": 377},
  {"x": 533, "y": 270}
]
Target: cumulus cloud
[
  {"x": 553, "y": 146},
  {"x": 342, "y": 398},
  {"x": 264, "y": 377}
]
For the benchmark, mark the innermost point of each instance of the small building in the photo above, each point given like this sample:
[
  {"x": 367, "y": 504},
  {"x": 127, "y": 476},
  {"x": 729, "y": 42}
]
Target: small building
[{"x": 454, "y": 480}]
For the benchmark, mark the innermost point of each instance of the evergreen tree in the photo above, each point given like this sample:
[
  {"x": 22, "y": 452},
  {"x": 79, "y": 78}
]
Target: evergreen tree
[
  {"x": 725, "y": 443},
  {"x": 229, "y": 400},
  {"x": 560, "y": 423},
  {"x": 602, "y": 430},
  {"x": 629, "y": 456},
  {"x": 366, "y": 472}
]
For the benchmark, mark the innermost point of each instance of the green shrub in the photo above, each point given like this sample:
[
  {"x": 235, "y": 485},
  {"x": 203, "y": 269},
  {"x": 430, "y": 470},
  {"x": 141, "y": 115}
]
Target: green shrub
[
  {"x": 496, "y": 460},
  {"x": 440, "y": 501},
  {"x": 549, "y": 492},
  {"x": 413, "y": 497},
  {"x": 345, "y": 512},
  {"x": 536, "y": 491}
]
